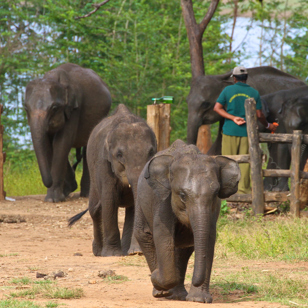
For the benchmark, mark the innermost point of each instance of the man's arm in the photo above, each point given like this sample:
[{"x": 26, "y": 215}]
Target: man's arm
[
  {"x": 219, "y": 108},
  {"x": 262, "y": 119}
]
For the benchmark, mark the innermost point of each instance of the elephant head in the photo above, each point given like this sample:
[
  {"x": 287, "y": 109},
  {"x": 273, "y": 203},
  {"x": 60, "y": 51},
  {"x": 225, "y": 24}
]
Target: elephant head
[
  {"x": 126, "y": 155},
  {"x": 49, "y": 103},
  {"x": 194, "y": 184},
  {"x": 201, "y": 100},
  {"x": 294, "y": 114}
]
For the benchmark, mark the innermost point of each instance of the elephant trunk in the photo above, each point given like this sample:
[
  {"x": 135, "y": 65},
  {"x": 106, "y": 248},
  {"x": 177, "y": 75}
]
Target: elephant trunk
[
  {"x": 200, "y": 220},
  {"x": 193, "y": 124},
  {"x": 42, "y": 147}
]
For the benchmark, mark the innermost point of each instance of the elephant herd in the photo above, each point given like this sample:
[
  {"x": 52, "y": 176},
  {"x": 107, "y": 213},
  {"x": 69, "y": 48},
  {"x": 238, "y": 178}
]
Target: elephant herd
[{"x": 171, "y": 198}]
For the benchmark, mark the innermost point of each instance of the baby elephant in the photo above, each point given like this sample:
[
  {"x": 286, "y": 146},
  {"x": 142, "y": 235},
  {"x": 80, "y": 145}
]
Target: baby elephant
[
  {"x": 118, "y": 148},
  {"x": 177, "y": 208}
]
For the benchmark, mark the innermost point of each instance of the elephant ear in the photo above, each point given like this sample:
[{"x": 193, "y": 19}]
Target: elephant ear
[
  {"x": 71, "y": 102},
  {"x": 30, "y": 87},
  {"x": 157, "y": 174},
  {"x": 230, "y": 175}
]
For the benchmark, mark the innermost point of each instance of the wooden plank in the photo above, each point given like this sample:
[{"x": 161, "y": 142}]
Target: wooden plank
[
  {"x": 303, "y": 199},
  {"x": 204, "y": 140},
  {"x": 295, "y": 173},
  {"x": 269, "y": 196},
  {"x": 279, "y": 138},
  {"x": 165, "y": 128},
  {"x": 276, "y": 172},
  {"x": 158, "y": 118},
  {"x": 275, "y": 138},
  {"x": 255, "y": 157}
]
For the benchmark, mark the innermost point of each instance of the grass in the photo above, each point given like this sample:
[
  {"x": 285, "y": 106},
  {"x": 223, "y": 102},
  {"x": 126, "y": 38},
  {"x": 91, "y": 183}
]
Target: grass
[
  {"x": 281, "y": 239},
  {"x": 115, "y": 279},
  {"x": 42, "y": 289},
  {"x": 13, "y": 303},
  {"x": 16, "y": 179}
]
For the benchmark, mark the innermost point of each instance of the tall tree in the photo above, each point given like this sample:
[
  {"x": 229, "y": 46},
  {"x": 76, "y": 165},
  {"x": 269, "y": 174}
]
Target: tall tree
[{"x": 195, "y": 33}]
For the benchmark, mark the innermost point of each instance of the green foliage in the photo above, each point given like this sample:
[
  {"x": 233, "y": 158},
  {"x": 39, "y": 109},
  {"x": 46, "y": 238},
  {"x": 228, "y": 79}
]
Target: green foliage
[
  {"x": 224, "y": 208},
  {"x": 253, "y": 238},
  {"x": 22, "y": 176}
]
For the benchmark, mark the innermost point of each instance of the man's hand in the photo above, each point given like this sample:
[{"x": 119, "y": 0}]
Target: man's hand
[
  {"x": 239, "y": 120},
  {"x": 272, "y": 127}
]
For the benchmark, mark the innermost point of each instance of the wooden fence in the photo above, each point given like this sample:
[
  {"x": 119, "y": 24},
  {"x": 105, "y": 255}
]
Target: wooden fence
[{"x": 258, "y": 197}]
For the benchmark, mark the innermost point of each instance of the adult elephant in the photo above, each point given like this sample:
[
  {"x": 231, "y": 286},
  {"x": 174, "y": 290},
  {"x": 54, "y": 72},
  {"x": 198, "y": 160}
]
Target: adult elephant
[
  {"x": 290, "y": 109},
  {"x": 177, "y": 208},
  {"x": 62, "y": 109},
  {"x": 118, "y": 149},
  {"x": 206, "y": 89}
]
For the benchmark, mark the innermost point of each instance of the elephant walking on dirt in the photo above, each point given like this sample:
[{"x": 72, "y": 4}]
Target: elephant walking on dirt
[
  {"x": 62, "y": 109},
  {"x": 118, "y": 149},
  {"x": 177, "y": 208}
]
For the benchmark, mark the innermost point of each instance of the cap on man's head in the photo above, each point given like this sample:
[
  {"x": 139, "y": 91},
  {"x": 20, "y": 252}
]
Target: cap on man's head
[{"x": 239, "y": 70}]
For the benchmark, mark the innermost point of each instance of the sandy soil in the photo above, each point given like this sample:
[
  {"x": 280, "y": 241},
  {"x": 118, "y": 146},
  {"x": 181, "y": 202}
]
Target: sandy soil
[{"x": 35, "y": 239}]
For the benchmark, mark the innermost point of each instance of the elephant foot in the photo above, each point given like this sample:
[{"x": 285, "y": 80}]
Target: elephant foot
[
  {"x": 199, "y": 295},
  {"x": 96, "y": 249},
  {"x": 178, "y": 293},
  {"x": 100, "y": 251},
  {"x": 54, "y": 198},
  {"x": 158, "y": 294},
  {"x": 135, "y": 250},
  {"x": 161, "y": 283},
  {"x": 111, "y": 252},
  {"x": 69, "y": 187},
  {"x": 84, "y": 194}
]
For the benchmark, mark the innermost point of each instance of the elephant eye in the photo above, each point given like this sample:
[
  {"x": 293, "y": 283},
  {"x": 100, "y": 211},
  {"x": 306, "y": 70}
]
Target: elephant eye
[
  {"x": 119, "y": 154},
  {"x": 54, "y": 108},
  {"x": 183, "y": 196}
]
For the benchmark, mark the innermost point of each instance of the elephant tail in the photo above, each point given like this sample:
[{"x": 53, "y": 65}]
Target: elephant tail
[{"x": 75, "y": 218}]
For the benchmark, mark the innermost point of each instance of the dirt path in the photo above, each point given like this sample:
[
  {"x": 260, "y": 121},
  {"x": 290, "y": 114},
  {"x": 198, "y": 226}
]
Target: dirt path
[{"x": 43, "y": 243}]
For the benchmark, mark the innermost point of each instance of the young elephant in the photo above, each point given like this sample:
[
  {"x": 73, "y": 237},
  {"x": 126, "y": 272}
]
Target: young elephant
[
  {"x": 118, "y": 148},
  {"x": 177, "y": 208}
]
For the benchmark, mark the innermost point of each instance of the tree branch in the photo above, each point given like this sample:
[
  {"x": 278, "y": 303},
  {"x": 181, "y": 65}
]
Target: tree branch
[
  {"x": 207, "y": 18},
  {"x": 97, "y": 6}
]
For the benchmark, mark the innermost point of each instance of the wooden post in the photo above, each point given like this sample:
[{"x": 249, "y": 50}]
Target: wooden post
[
  {"x": 158, "y": 118},
  {"x": 204, "y": 140},
  {"x": 255, "y": 157},
  {"x": 304, "y": 189},
  {"x": 2, "y": 194},
  {"x": 295, "y": 173}
]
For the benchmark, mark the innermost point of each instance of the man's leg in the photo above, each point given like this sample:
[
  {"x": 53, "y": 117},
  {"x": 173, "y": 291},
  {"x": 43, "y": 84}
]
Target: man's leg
[{"x": 233, "y": 145}]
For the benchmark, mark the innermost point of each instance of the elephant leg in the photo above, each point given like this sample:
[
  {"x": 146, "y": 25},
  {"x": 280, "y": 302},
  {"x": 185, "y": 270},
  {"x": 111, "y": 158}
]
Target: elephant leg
[
  {"x": 109, "y": 223},
  {"x": 304, "y": 156},
  {"x": 144, "y": 236},
  {"x": 182, "y": 256},
  {"x": 129, "y": 243},
  {"x": 283, "y": 162},
  {"x": 70, "y": 183},
  {"x": 61, "y": 146},
  {"x": 95, "y": 210},
  {"x": 202, "y": 293},
  {"x": 85, "y": 179},
  {"x": 279, "y": 158}
]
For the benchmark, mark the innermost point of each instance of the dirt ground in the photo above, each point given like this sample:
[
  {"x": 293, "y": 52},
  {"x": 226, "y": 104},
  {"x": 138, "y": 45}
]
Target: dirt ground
[{"x": 35, "y": 239}]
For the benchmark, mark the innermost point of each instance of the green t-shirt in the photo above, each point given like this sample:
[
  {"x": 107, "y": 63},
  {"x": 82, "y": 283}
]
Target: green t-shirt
[{"x": 233, "y": 97}]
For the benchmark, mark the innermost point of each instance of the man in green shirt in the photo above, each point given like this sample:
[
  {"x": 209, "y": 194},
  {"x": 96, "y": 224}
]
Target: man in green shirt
[{"x": 231, "y": 105}]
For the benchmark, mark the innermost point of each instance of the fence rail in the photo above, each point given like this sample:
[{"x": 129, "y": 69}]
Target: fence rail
[{"x": 258, "y": 197}]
